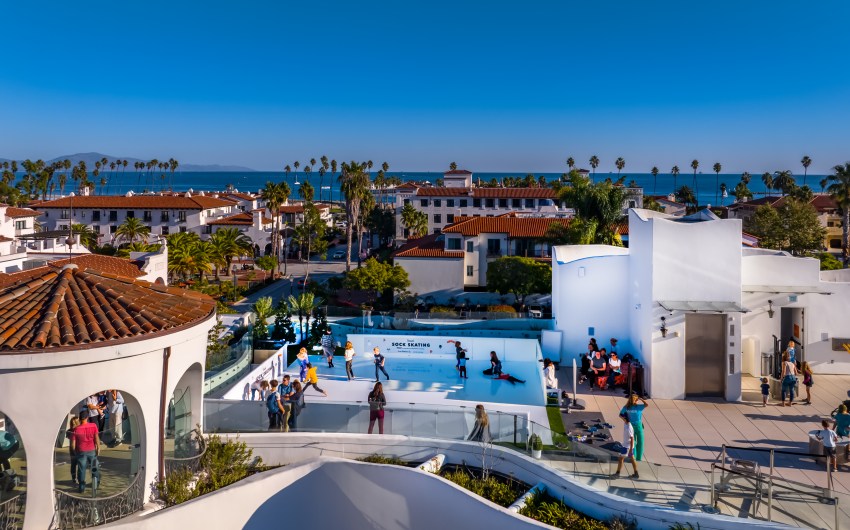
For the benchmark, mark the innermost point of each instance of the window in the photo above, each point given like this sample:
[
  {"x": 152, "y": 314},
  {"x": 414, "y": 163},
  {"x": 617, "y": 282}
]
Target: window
[
  {"x": 632, "y": 204},
  {"x": 165, "y": 230},
  {"x": 438, "y": 218},
  {"x": 63, "y": 214},
  {"x": 20, "y": 225},
  {"x": 182, "y": 229},
  {"x": 131, "y": 214},
  {"x": 503, "y": 203},
  {"x": 494, "y": 247},
  {"x": 181, "y": 217},
  {"x": 423, "y": 203},
  {"x": 516, "y": 203},
  {"x": 438, "y": 230},
  {"x": 834, "y": 243},
  {"x": 113, "y": 216},
  {"x": 453, "y": 244},
  {"x": 163, "y": 216},
  {"x": 463, "y": 203},
  {"x": 406, "y": 202},
  {"x": 113, "y": 229},
  {"x": 47, "y": 213},
  {"x": 96, "y": 230},
  {"x": 469, "y": 246},
  {"x": 95, "y": 215},
  {"x": 469, "y": 270},
  {"x": 476, "y": 203},
  {"x": 490, "y": 203},
  {"x": 207, "y": 229},
  {"x": 529, "y": 203},
  {"x": 437, "y": 203},
  {"x": 147, "y": 216},
  {"x": 450, "y": 218},
  {"x": 450, "y": 203}
]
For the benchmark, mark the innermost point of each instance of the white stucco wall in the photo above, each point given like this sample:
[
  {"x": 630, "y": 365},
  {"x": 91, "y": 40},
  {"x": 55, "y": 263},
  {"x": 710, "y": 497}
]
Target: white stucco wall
[
  {"x": 441, "y": 278},
  {"x": 135, "y": 368}
]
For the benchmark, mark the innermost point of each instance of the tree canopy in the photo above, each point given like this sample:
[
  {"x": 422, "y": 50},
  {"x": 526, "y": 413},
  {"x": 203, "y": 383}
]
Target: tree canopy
[
  {"x": 378, "y": 277},
  {"x": 793, "y": 227},
  {"x": 520, "y": 276},
  {"x": 596, "y": 202}
]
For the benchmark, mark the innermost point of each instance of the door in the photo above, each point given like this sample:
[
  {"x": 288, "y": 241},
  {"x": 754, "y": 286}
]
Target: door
[
  {"x": 705, "y": 355},
  {"x": 793, "y": 323}
]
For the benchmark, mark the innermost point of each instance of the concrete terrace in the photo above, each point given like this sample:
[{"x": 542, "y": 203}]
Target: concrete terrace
[{"x": 683, "y": 438}]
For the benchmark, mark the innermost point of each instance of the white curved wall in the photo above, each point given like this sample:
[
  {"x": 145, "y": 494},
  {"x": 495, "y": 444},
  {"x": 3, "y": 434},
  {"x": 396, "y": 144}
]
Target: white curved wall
[{"x": 38, "y": 390}]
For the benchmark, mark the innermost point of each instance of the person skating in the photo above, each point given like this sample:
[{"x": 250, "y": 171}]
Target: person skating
[{"x": 380, "y": 360}]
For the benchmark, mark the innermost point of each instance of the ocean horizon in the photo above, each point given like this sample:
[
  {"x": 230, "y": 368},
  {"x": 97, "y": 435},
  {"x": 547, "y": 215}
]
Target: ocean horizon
[{"x": 253, "y": 181}]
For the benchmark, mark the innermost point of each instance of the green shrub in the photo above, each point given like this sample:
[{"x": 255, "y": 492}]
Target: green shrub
[
  {"x": 492, "y": 488},
  {"x": 441, "y": 310},
  {"x": 225, "y": 462},
  {"x": 383, "y": 459},
  {"x": 548, "y": 510},
  {"x": 536, "y": 442},
  {"x": 176, "y": 487},
  {"x": 500, "y": 309}
]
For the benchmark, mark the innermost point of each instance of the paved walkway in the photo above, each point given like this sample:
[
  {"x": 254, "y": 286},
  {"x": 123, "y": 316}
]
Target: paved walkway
[{"x": 683, "y": 438}]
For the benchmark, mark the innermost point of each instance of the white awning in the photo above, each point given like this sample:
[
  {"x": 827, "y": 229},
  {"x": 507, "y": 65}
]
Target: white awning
[
  {"x": 703, "y": 307},
  {"x": 784, "y": 289}
]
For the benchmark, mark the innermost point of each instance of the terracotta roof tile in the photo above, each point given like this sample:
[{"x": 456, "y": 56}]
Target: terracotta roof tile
[
  {"x": 457, "y": 172},
  {"x": 11, "y": 211},
  {"x": 239, "y": 219},
  {"x": 488, "y": 193},
  {"x": 513, "y": 226},
  {"x": 430, "y": 246},
  {"x": 153, "y": 202},
  {"x": 107, "y": 264},
  {"x": 439, "y": 191},
  {"x": 69, "y": 308},
  {"x": 240, "y": 195}
]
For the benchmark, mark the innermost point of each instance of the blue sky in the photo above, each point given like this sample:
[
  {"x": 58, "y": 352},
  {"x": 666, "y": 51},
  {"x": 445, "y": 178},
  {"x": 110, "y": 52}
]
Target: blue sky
[{"x": 497, "y": 85}]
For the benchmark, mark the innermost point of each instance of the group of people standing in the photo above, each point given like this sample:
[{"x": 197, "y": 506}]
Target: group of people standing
[{"x": 791, "y": 369}]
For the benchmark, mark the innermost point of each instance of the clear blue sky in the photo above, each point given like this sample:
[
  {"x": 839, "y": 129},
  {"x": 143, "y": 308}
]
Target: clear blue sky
[{"x": 494, "y": 85}]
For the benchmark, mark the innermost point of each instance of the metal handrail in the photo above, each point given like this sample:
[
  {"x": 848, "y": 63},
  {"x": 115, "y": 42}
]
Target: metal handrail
[
  {"x": 74, "y": 511},
  {"x": 192, "y": 463},
  {"x": 12, "y": 512}
]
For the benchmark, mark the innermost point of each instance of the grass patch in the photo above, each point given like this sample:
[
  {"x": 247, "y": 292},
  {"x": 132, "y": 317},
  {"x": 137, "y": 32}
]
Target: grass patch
[
  {"x": 494, "y": 489},
  {"x": 551, "y": 511},
  {"x": 383, "y": 459},
  {"x": 556, "y": 421}
]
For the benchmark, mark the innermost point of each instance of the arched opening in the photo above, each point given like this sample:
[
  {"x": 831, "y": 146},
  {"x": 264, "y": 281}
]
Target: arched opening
[
  {"x": 100, "y": 446},
  {"x": 159, "y": 281},
  {"x": 13, "y": 475},
  {"x": 184, "y": 416}
]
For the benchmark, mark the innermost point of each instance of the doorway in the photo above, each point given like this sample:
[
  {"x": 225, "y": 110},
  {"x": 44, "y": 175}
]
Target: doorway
[
  {"x": 793, "y": 324},
  {"x": 705, "y": 359}
]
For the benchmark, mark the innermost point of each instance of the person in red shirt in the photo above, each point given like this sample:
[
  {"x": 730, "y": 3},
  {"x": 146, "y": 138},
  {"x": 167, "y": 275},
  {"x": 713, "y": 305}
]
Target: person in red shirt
[{"x": 85, "y": 445}]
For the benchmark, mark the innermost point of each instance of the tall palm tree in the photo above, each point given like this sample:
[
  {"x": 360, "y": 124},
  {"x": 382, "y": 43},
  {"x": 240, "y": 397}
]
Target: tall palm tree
[
  {"x": 746, "y": 177},
  {"x": 594, "y": 163},
  {"x": 686, "y": 195},
  {"x": 654, "y": 172},
  {"x": 275, "y": 195},
  {"x": 839, "y": 190},
  {"x": 303, "y": 305},
  {"x": 131, "y": 229},
  {"x": 767, "y": 178},
  {"x": 823, "y": 183},
  {"x": 806, "y": 162},
  {"x": 296, "y": 165},
  {"x": 570, "y": 163},
  {"x": 694, "y": 166},
  {"x": 783, "y": 180},
  {"x": 287, "y": 169},
  {"x": 306, "y": 191},
  {"x": 717, "y": 167},
  {"x": 188, "y": 255},
  {"x": 620, "y": 163},
  {"x": 415, "y": 221},
  {"x": 354, "y": 186},
  {"x": 172, "y": 165},
  {"x": 675, "y": 172}
]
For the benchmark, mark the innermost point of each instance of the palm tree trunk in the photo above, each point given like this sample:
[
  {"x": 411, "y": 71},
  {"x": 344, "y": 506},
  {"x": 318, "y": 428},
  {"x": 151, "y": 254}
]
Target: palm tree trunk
[
  {"x": 348, "y": 246},
  {"x": 845, "y": 238}
]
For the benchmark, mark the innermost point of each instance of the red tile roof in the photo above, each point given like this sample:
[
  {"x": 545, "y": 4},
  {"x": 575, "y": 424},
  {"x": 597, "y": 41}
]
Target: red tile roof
[
  {"x": 488, "y": 193},
  {"x": 440, "y": 191},
  {"x": 430, "y": 246},
  {"x": 513, "y": 226},
  {"x": 11, "y": 211},
  {"x": 99, "y": 262},
  {"x": 241, "y": 195},
  {"x": 70, "y": 309},
  {"x": 153, "y": 202},
  {"x": 239, "y": 219},
  {"x": 457, "y": 172},
  {"x": 299, "y": 208},
  {"x": 824, "y": 203}
]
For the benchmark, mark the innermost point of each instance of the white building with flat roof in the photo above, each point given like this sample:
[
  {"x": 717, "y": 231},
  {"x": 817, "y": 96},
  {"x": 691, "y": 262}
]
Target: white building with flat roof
[{"x": 697, "y": 307}]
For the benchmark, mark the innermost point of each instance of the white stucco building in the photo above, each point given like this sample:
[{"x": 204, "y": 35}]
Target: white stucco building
[
  {"x": 714, "y": 298},
  {"x": 68, "y": 333}
]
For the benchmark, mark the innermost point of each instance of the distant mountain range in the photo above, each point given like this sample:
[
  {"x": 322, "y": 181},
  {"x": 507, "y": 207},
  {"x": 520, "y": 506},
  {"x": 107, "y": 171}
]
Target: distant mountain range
[{"x": 91, "y": 158}]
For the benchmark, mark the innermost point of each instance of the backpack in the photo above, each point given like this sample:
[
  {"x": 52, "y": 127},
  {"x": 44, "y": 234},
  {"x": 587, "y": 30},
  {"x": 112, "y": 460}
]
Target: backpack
[{"x": 271, "y": 402}]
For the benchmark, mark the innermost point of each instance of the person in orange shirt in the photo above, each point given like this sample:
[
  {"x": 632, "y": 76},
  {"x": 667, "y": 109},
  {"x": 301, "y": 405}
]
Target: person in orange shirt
[{"x": 313, "y": 379}]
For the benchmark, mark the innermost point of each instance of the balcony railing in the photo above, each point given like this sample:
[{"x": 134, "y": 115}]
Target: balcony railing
[
  {"x": 74, "y": 511},
  {"x": 12, "y": 512},
  {"x": 188, "y": 453}
]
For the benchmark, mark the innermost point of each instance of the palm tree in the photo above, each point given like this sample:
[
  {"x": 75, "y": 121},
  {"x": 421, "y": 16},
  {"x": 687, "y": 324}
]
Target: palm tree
[
  {"x": 287, "y": 169},
  {"x": 570, "y": 163},
  {"x": 717, "y": 167},
  {"x": 230, "y": 243},
  {"x": 594, "y": 163},
  {"x": 124, "y": 251},
  {"x": 767, "y": 178},
  {"x": 654, "y": 172},
  {"x": 823, "y": 183},
  {"x": 686, "y": 195},
  {"x": 746, "y": 177},
  {"x": 806, "y": 162},
  {"x": 188, "y": 255},
  {"x": 303, "y": 305},
  {"x": 784, "y": 180},
  {"x": 453, "y": 166},
  {"x": 675, "y": 172},
  {"x": 306, "y": 191},
  {"x": 620, "y": 163},
  {"x": 354, "y": 186},
  {"x": 275, "y": 195},
  {"x": 694, "y": 166},
  {"x": 88, "y": 238},
  {"x": 296, "y": 165},
  {"x": 131, "y": 229},
  {"x": 839, "y": 190},
  {"x": 172, "y": 165},
  {"x": 307, "y": 171}
]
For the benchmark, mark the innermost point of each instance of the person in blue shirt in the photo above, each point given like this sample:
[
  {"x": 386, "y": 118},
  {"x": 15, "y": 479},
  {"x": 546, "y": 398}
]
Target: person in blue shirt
[
  {"x": 633, "y": 411},
  {"x": 792, "y": 351},
  {"x": 842, "y": 421}
]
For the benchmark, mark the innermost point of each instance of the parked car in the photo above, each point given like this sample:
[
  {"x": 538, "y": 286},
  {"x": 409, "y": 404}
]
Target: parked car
[{"x": 339, "y": 254}]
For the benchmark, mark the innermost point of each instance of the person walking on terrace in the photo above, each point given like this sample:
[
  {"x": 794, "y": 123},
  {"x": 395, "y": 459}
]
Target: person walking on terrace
[
  {"x": 633, "y": 412},
  {"x": 349, "y": 360},
  {"x": 379, "y": 364},
  {"x": 481, "y": 429},
  {"x": 808, "y": 381},
  {"x": 788, "y": 378},
  {"x": 328, "y": 347},
  {"x": 377, "y": 402},
  {"x": 628, "y": 450},
  {"x": 85, "y": 443}
]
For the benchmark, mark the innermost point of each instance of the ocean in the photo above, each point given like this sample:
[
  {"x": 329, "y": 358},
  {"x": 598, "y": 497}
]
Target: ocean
[{"x": 253, "y": 181}]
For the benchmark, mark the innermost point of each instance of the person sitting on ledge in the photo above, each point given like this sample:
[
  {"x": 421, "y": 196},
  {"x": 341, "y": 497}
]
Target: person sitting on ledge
[
  {"x": 842, "y": 421},
  {"x": 598, "y": 367}
]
